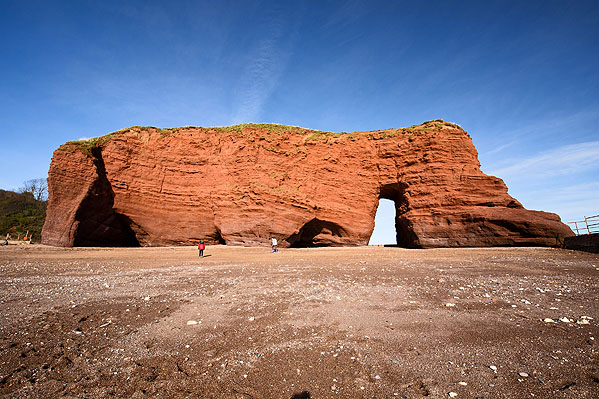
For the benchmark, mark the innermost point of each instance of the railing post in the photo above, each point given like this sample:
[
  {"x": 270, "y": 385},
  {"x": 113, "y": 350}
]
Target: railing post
[{"x": 587, "y": 224}]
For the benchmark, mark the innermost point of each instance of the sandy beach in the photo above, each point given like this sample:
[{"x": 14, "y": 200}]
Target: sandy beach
[{"x": 363, "y": 322}]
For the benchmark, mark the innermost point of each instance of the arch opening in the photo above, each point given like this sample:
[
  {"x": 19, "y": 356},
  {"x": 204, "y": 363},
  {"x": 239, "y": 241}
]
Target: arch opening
[
  {"x": 384, "y": 224},
  {"x": 404, "y": 234}
]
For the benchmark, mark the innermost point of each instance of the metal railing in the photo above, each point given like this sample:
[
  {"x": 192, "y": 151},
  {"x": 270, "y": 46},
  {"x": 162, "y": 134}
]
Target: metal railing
[{"x": 587, "y": 226}]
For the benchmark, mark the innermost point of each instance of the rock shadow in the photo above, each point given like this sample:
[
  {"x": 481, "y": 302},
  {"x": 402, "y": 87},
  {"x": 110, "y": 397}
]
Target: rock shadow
[
  {"x": 97, "y": 222},
  {"x": 317, "y": 233}
]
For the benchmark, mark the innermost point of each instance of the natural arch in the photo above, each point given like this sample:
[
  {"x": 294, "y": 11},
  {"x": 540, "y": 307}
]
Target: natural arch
[
  {"x": 384, "y": 224},
  {"x": 404, "y": 235}
]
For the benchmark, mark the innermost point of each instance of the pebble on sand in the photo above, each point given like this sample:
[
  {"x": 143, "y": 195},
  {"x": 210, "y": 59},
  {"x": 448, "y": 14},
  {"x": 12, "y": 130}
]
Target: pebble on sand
[
  {"x": 192, "y": 323},
  {"x": 452, "y": 394}
]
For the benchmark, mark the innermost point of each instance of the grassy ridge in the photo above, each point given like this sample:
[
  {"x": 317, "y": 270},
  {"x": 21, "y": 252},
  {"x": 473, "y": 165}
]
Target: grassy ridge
[{"x": 86, "y": 146}]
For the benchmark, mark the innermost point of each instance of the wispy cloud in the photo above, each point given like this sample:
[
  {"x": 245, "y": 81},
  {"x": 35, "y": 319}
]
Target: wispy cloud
[
  {"x": 571, "y": 202},
  {"x": 501, "y": 147},
  {"x": 260, "y": 77},
  {"x": 560, "y": 161},
  {"x": 545, "y": 129}
]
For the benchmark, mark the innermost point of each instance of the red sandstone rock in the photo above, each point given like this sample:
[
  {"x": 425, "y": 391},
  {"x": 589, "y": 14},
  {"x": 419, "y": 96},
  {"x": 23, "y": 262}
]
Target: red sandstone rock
[{"x": 240, "y": 185}]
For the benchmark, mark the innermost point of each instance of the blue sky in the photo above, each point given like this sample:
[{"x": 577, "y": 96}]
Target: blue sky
[{"x": 522, "y": 77}]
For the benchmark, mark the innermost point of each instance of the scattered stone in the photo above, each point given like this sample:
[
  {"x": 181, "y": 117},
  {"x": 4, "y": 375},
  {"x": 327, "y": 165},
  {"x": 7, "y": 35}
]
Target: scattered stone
[
  {"x": 192, "y": 323},
  {"x": 583, "y": 321},
  {"x": 565, "y": 320},
  {"x": 494, "y": 368},
  {"x": 463, "y": 383},
  {"x": 548, "y": 320},
  {"x": 452, "y": 394},
  {"x": 523, "y": 374},
  {"x": 251, "y": 318},
  {"x": 450, "y": 305},
  {"x": 147, "y": 298}
]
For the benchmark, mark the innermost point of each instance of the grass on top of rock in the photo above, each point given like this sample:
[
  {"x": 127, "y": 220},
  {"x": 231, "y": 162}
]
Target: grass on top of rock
[
  {"x": 271, "y": 127},
  {"x": 86, "y": 146}
]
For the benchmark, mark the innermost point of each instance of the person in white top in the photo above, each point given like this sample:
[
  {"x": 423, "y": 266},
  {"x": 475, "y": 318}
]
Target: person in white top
[{"x": 273, "y": 242}]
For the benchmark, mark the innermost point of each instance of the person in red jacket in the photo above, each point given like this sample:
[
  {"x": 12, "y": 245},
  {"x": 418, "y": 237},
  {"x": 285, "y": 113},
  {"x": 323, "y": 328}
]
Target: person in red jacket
[{"x": 201, "y": 248}]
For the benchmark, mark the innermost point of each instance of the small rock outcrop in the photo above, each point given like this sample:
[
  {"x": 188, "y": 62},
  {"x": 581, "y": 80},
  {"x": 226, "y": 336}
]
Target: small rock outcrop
[{"x": 242, "y": 184}]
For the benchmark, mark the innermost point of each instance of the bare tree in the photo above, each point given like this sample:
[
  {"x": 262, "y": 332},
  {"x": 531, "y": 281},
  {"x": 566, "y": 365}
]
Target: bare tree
[{"x": 37, "y": 187}]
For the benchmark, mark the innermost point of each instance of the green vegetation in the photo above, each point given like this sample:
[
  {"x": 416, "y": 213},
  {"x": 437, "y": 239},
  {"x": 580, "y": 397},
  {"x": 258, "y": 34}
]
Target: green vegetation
[
  {"x": 87, "y": 146},
  {"x": 271, "y": 127},
  {"x": 19, "y": 213}
]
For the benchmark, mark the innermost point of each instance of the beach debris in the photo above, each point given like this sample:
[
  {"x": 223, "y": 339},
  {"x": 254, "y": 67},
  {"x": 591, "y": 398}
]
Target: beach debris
[
  {"x": 494, "y": 368},
  {"x": 452, "y": 394},
  {"x": 523, "y": 374},
  {"x": 192, "y": 322}
]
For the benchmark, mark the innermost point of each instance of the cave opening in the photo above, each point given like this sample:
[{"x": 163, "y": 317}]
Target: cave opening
[
  {"x": 317, "y": 233},
  {"x": 217, "y": 238},
  {"x": 393, "y": 206}
]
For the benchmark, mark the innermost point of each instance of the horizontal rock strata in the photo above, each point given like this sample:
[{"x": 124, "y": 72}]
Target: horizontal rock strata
[{"x": 242, "y": 184}]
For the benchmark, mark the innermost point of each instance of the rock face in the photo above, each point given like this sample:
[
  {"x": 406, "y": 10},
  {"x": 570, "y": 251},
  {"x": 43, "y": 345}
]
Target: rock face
[{"x": 241, "y": 185}]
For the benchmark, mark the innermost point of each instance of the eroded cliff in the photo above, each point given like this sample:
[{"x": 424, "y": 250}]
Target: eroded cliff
[{"x": 242, "y": 184}]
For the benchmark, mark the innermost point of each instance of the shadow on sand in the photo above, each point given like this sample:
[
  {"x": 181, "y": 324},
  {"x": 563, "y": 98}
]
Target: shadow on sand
[{"x": 301, "y": 395}]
